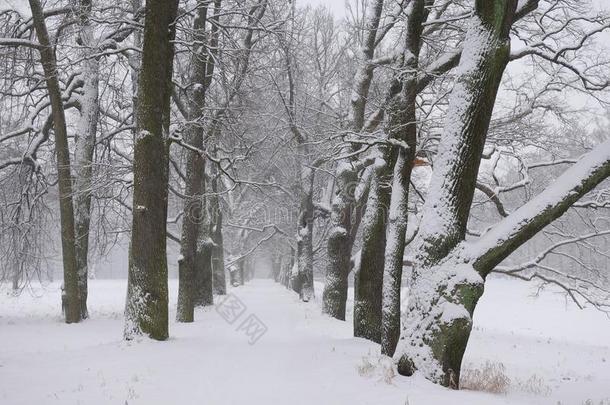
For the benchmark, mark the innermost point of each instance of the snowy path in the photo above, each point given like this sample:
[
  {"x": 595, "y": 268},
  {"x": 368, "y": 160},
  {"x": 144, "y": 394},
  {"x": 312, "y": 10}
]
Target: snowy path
[{"x": 303, "y": 358}]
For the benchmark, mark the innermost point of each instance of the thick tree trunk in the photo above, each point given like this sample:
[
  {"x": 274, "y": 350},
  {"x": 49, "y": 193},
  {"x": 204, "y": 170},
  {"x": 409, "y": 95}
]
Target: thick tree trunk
[
  {"x": 368, "y": 281},
  {"x": 361, "y": 196},
  {"x": 49, "y": 64},
  {"x": 193, "y": 219},
  {"x": 402, "y": 125},
  {"x": 485, "y": 55},
  {"x": 442, "y": 298},
  {"x": 204, "y": 291},
  {"x": 438, "y": 323},
  {"x": 339, "y": 245},
  {"x": 340, "y": 239},
  {"x": 146, "y": 309},
  {"x": 84, "y": 149},
  {"x": 305, "y": 237},
  {"x": 195, "y": 258},
  {"x": 395, "y": 248}
]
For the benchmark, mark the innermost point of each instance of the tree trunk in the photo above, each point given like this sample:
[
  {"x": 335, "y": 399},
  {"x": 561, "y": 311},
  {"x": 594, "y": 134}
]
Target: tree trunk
[
  {"x": 305, "y": 237},
  {"x": 84, "y": 149},
  {"x": 368, "y": 281},
  {"x": 438, "y": 323},
  {"x": 219, "y": 282},
  {"x": 395, "y": 247},
  {"x": 134, "y": 58},
  {"x": 234, "y": 275},
  {"x": 241, "y": 273},
  {"x": 401, "y": 126},
  {"x": 204, "y": 291},
  {"x": 402, "y": 121},
  {"x": 203, "y": 271},
  {"x": 49, "y": 64},
  {"x": 339, "y": 245},
  {"x": 485, "y": 56},
  {"x": 276, "y": 270},
  {"x": 340, "y": 239},
  {"x": 146, "y": 309},
  {"x": 193, "y": 219},
  {"x": 286, "y": 269},
  {"x": 16, "y": 278},
  {"x": 218, "y": 258},
  {"x": 442, "y": 298},
  {"x": 302, "y": 280},
  {"x": 195, "y": 258}
]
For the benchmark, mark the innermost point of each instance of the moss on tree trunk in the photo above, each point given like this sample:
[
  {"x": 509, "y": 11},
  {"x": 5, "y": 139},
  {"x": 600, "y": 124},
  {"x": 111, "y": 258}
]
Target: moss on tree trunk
[
  {"x": 442, "y": 297},
  {"x": 439, "y": 321}
]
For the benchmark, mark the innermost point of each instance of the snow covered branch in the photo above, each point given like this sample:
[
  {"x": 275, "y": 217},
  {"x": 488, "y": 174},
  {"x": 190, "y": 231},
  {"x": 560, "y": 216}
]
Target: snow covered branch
[{"x": 504, "y": 238}]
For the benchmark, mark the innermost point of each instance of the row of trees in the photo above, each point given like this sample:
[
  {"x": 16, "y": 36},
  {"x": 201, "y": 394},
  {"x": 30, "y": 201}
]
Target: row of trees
[{"x": 401, "y": 138}]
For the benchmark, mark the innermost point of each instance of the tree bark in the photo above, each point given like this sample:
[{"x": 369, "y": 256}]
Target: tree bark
[
  {"x": 84, "y": 148},
  {"x": 134, "y": 58},
  {"x": 339, "y": 245},
  {"x": 286, "y": 269},
  {"x": 368, "y": 281},
  {"x": 401, "y": 126},
  {"x": 305, "y": 237},
  {"x": 302, "y": 281},
  {"x": 276, "y": 267},
  {"x": 402, "y": 119},
  {"x": 49, "y": 64},
  {"x": 500, "y": 241},
  {"x": 443, "y": 297},
  {"x": 340, "y": 240},
  {"x": 218, "y": 262},
  {"x": 193, "y": 264},
  {"x": 242, "y": 272},
  {"x": 146, "y": 311},
  {"x": 204, "y": 291}
]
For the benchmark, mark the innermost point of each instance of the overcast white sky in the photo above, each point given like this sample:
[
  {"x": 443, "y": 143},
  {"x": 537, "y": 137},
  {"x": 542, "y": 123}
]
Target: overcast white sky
[{"x": 336, "y": 6}]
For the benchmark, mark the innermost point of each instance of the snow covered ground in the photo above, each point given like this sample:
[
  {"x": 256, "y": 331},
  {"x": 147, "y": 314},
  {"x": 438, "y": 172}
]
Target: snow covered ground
[{"x": 551, "y": 352}]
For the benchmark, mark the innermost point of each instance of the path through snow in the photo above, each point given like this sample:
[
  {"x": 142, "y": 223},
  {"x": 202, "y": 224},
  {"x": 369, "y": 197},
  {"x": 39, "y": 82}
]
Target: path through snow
[{"x": 303, "y": 358}]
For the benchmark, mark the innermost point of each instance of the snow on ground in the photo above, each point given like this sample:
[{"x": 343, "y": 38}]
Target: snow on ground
[{"x": 551, "y": 352}]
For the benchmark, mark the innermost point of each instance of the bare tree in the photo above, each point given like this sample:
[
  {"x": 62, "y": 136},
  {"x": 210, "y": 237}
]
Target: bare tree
[
  {"x": 84, "y": 147},
  {"x": 340, "y": 239},
  {"x": 49, "y": 64},
  {"x": 146, "y": 309},
  {"x": 448, "y": 274},
  {"x": 202, "y": 65}
]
